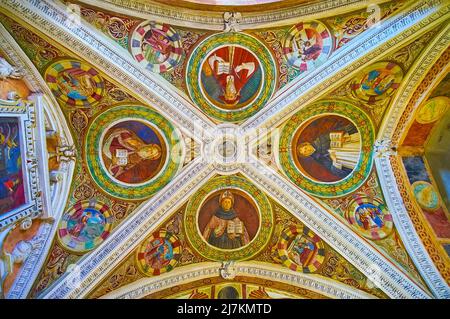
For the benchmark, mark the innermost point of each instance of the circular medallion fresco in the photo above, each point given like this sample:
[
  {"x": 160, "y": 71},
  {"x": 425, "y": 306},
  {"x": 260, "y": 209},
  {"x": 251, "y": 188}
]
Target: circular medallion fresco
[
  {"x": 426, "y": 196},
  {"x": 157, "y": 47},
  {"x": 228, "y": 219},
  {"x": 128, "y": 157},
  {"x": 159, "y": 253},
  {"x": 299, "y": 249},
  {"x": 75, "y": 83},
  {"x": 377, "y": 82},
  {"x": 85, "y": 226},
  {"x": 307, "y": 45},
  {"x": 369, "y": 217},
  {"x": 432, "y": 110},
  {"x": 326, "y": 148},
  {"x": 231, "y": 76}
]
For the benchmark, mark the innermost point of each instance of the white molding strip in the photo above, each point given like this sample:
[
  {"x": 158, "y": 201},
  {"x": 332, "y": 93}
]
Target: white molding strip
[
  {"x": 406, "y": 229},
  {"x": 394, "y": 201},
  {"x": 392, "y": 280},
  {"x": 412, "y": 80},
  {"x": 261, "y": 270}
]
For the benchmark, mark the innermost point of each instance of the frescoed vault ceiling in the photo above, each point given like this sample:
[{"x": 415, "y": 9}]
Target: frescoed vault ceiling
[{"x": 281, "y": 149}]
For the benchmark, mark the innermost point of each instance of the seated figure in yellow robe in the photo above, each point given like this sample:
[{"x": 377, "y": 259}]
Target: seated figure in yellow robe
[{"x": 225, "y": 230}]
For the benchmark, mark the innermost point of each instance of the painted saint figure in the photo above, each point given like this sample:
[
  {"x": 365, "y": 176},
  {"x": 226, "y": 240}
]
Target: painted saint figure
[
  {"x": 225, "y": 230},
  {"x": 302, "y": 250},
  {"x": 86, "y": 224},
  {"x": 336, "y": 150},
  {"x": 159, "y": 255},
  {"x": 232, "y": 67},
  {"x": 370, "y": 217},
  {"x": 11, "y": 179},
  {"x": 307, "y": 50},
  {"x": 378, "y": 81},
  {"x": 156, "y": 46},
  {"x": 307, "y": 45},
  {"x": 126, "y": 150}
]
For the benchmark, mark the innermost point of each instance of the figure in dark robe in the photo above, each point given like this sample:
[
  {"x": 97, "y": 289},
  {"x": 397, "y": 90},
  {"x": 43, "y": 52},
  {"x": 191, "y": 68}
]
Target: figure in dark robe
[{"x": 225, "y": 230}]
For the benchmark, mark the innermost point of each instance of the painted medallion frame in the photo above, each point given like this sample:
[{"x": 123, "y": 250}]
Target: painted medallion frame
[
  {"x": 135, "y": 113},
  {"x": 174, "y": 47},
  {"x": 312, "y": 56},
  {"x": 230, "y": 183},
  {"x": 261, "y": 56},
  {"x": 369, "y": 85},
  {"x": 381, "y": 215},
  {"x": 282, "y": 249},
  {"x": 359, "y": 174}
]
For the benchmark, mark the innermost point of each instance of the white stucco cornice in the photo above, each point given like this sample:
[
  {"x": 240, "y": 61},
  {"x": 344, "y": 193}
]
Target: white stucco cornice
[{"x": 412, "y": 80}]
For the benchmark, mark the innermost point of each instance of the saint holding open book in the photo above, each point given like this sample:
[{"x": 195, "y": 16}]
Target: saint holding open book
[{"x": 225, "y": 230}]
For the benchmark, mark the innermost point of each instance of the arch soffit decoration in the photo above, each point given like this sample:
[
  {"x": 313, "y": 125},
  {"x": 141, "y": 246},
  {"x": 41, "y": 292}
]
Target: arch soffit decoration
[{"x": 150, "y": 10}]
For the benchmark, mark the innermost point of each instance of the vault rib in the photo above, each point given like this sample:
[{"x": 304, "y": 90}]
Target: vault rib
[{"x": 93, "y": 267}]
